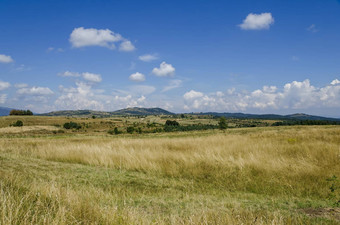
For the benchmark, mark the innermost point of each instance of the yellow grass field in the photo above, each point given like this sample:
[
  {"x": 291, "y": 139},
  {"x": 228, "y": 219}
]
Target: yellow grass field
[{"x": 269, "y": 175}]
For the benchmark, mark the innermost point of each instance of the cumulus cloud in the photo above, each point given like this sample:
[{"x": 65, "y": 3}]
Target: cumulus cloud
[
  {"x": 84, "y": 96},
  {"x": 164, "y": 70},
  {"x": 92, "y": 77},
  {"x": 5, "y": 59},
  {"x": 137, "y": 77},
  {"x": 335, "y": 82},
  {"x": 297, "y": 95},
  {"x": 129, "y": 101},
  {"x": 192, "y": 95},
  {"x": 80, "y": 97},
  {"x": 4, "y": 85},
  {"x": 257, "y": 21},
  {"x": 69, "y": 74},
  {"x": 126, "y": 46},
  {"x": 35, "y": 91},
  {"x": 172, "y": 85},
  {"x": 82, "y": 37},
  {"x": 148, "y": 57}
]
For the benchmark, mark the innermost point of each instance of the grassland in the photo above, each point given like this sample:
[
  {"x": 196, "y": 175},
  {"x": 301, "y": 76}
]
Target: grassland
[{"x": 261, "y": 175}]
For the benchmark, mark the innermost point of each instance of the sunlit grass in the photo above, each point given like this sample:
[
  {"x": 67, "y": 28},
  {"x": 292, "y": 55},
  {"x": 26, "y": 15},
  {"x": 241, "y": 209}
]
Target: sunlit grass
[{"x": 249, "y": 176}]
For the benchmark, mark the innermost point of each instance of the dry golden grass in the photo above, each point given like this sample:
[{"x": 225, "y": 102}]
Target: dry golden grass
[
  {"x": 11, "y": 130},
  {"x": 241, "y": 176}
]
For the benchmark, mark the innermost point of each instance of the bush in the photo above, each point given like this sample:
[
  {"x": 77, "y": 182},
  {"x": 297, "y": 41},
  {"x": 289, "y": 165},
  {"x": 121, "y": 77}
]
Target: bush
[
  {"x": 72, "y": 125},
  {"x": 130, "y": 130},
  {"x": 171, "y": 123},
  {"x": 19, "y": 123}
]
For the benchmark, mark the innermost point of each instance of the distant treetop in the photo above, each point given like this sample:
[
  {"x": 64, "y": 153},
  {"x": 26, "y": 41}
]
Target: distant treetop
[{"x": 16, "y": 112}]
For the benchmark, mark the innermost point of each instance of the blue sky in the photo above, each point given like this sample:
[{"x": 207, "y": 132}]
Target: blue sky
[{"x": 185, "y": 56}]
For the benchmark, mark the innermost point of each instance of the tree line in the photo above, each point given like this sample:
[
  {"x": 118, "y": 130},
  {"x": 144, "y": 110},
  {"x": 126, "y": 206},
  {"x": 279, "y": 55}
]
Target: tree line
[{"x": 15, "y": 112}]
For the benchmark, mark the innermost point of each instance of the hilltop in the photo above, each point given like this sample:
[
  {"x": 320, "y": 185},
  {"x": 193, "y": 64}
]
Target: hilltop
[{"x": 135, "y": 111}]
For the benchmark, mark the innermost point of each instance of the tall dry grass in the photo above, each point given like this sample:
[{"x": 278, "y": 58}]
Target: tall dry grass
[
  {"x": 285, "y": 159},
  {"x": 278, "y": 163}
]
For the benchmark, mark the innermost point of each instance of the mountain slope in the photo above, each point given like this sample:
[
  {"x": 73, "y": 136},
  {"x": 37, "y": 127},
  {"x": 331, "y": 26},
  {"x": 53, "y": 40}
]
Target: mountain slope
[
  {"x": 297, "y": 116},
  {"x": 142, "y": 111},
  {"x": 122, "y": 112}
]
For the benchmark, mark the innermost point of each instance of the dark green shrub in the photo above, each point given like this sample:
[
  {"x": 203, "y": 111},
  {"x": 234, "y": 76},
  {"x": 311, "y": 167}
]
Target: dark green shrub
[
  {"x": 19, "y": 123},
  {"x": 130, "y": 130},
  {"x": 171, "y": 123},
  {"x": 72, "y": 125}
]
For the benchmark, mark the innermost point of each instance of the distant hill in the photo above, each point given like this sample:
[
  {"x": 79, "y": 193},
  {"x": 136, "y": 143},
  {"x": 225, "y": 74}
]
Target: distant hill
[
  {"x": 122, "y": 112},
  {"x": 135, "y": 111},
  {"x": 4, "y": 111},
  {"x": 142, "y": 111},
  {"x": 297, "y": 116},
  {"x": 77, "y": 113}
]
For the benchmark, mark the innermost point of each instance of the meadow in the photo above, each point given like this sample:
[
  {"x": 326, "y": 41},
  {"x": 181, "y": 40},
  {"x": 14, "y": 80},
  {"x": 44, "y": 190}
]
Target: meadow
[{"x": 257, "y": 175}]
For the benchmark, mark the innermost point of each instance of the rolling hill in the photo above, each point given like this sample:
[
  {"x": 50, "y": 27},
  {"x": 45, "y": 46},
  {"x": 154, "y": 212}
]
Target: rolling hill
[
  {"x": 122, "y": 112},
  {"x": 136, "y": 111}
]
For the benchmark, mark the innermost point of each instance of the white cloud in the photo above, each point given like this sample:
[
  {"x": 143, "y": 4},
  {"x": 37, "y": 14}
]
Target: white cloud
[
  {"x": 80, "y": 97},
  {"x": 312, "y": 28},
  {"x": 69, "y": 74},
  {"x": 35, "y": 91},
  {"x": 82, "y": 37},
  {"x": 148, "y": 57},
  {"x": 126, "y": 46},
  {"x": 335, "y": 82},
  {"x": 137, "y": 77},
  {"x": 172, "y": 85},
  {"x": 4, "y": 85},
  {"x": 5, "y": 59},
  {"x": 3, "y": 98},
  {"x": 129, "y": 101},
  {"x": 257, "y": 21},
  {"x": 92, "y": 77},
  {"x": 293, "y": 96},
  {"x": 164, "y": 70},
  {"x": 192, "y": 95},
  {"x": 21, "y": 85}
]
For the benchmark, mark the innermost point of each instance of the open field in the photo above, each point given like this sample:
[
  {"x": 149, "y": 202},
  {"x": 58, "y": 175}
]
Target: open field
[{"x": 261, "y": 175}]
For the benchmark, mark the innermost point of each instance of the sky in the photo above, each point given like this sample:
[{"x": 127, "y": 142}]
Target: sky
[{"x": 270, "y": 56}]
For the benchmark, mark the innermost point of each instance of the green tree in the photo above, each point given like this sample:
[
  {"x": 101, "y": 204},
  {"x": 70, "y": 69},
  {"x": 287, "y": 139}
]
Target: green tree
[{"x": 222, "y": 124}]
